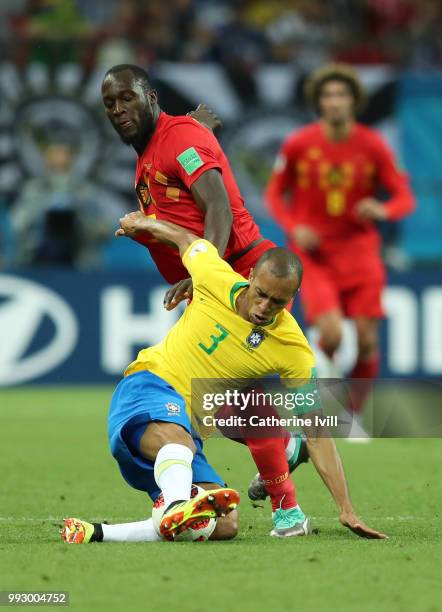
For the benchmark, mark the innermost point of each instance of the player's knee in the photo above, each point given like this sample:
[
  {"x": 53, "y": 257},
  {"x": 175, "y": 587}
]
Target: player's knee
[
  {"x": 331, "y": 339},
  {"x": 330, "y": 331},
  {"x": 226, "y": 527},
  {"x": 159, "y": 434}
]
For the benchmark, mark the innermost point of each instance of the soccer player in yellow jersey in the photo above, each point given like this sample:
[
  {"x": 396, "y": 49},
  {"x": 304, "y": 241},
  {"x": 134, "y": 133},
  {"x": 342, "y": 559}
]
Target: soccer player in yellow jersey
[{"x": 233, "y": 329}]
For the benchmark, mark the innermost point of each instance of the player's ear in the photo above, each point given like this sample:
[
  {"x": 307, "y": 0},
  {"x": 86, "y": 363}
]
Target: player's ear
[
  {"x": 153, "y": 96},
  {"x": 251, "y": 275}
]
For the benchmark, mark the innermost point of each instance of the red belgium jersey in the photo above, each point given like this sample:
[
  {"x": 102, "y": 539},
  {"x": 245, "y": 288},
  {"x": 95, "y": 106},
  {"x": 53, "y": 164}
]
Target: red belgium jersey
[
  {"x": 179, "y": 152},
  {"x": 323, "y": 181}
]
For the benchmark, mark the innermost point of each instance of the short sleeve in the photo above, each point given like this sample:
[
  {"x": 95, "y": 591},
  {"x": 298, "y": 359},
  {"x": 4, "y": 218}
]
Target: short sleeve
[
  {"x": 191, "y": 150},
  {"x": 210, "y": 274}
]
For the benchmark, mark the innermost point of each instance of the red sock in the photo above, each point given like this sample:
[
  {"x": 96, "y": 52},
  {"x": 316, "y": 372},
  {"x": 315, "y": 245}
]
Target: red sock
[
  {"x": 364, "y": 373},
  {"x": 270, "y": 459},
  {"x": 234, "y": 433},
  {"x": 268, "y": 452}
]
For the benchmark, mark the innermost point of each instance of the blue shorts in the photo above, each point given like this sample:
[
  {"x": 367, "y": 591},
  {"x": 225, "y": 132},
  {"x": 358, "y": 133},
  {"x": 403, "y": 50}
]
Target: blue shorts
[{"x": 138, "y": 400}]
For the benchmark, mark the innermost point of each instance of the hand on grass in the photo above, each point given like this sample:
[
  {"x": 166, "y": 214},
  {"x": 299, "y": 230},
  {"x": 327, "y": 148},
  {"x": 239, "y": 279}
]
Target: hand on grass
[{"x": 352, "y": 522}]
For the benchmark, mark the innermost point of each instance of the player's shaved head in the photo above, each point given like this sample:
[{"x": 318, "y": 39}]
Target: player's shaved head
[
  {"x": 281, "y": 263},
  {"x": 273, "y": 283},
  {"x": 140, "y": 76}
]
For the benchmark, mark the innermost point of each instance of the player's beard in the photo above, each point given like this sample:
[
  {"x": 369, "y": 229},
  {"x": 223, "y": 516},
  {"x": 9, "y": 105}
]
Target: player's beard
[{"x": 143, "y": 133}]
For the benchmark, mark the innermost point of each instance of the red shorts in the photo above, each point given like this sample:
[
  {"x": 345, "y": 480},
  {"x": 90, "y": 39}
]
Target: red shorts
[{"x": 321, "y": 292}]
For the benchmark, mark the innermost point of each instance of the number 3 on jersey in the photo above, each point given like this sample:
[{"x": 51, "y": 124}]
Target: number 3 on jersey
[{"x": 215, "y": 339}]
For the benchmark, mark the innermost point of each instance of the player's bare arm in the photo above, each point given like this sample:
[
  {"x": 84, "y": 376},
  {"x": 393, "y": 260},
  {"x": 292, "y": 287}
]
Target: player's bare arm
[
  {"x": 169, "y": 233},
  {"x": 183, "y": 289},
  {"x": 211, "y": 197},
  {"x": 326, "y": 459}
]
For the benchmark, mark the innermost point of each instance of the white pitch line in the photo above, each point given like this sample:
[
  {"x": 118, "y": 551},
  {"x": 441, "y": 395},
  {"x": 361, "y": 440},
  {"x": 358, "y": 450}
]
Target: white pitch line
[{"x": 16, "y": 519}]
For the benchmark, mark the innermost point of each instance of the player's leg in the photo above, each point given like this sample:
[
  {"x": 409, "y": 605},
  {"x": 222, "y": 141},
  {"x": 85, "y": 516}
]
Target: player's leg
[
  {"x": 78, "y": 531},
  {"x": 166, "y": 443},
  {"x": 207, "y": 477},
  {"x": 322, "y": 310},
  {"x": 171, "y": 449},
  {"x": 298, "y": 454},
  {"x": 269, "y": 451},
  {"x": 287, "y": 517},
  {"x": 367, "y": 364},
  {"x": 149, "y": 435},
  {"x": 136, "y": 402},
  {"x": 329, "y": 326},
  {"x": 226, "y": 527},
  {"x": 363, "y": 304},
  {"x": 139, "y": 401}
]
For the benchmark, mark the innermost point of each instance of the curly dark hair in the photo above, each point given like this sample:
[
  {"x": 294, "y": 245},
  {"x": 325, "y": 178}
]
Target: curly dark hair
[{"x": 334, "y": 72}]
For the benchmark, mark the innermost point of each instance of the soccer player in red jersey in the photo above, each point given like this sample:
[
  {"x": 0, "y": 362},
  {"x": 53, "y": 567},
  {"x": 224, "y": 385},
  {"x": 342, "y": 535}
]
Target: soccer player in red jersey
[
  {"x": 323, "y": 193},
  {"x": 184, "y": 177}
]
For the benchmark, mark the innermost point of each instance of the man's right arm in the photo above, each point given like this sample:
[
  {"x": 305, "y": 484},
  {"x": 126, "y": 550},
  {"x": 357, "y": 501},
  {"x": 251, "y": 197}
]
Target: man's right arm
[
  {"x": 326, "y": 459},
  {"x": 280, "y": 184},
  {"x": 164, "y": 231}
]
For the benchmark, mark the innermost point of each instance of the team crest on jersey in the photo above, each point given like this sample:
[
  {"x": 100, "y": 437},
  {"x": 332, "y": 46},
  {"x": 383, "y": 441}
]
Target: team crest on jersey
[
  {"x": 143, "y": 194},
  {"x": 255, "y": 338},
  {"x": 173, "y": 408}
]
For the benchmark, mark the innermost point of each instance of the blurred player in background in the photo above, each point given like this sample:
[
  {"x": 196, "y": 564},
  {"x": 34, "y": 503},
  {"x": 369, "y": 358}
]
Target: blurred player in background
[
  {"x": 323, "y": 192},
  {"x": 184, "y": 177}
]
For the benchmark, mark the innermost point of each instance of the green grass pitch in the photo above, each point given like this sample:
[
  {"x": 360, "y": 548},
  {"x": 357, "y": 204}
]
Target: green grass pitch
[{"x": 54, "y": 462}]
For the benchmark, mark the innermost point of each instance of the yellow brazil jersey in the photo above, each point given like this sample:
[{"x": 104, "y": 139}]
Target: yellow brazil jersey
[{"x": 211, "y": 341}]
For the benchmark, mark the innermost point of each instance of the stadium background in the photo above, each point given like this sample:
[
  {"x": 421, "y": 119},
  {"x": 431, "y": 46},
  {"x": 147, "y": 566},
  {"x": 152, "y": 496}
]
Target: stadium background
[{"x": 247, "y": 61}]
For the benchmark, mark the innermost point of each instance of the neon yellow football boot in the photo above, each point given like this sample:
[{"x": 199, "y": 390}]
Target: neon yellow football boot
[
  {"x": 76, "y": 531},
  {"x": 207, "y": 504}
]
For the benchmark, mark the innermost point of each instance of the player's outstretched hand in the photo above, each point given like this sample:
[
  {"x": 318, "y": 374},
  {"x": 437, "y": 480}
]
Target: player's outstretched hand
[
  {"x": 183, "y": 290},
  {"x": 350, "y": 520},
  {"x": 206, "y": 117},
  {"x": 131, "y": 224}
]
